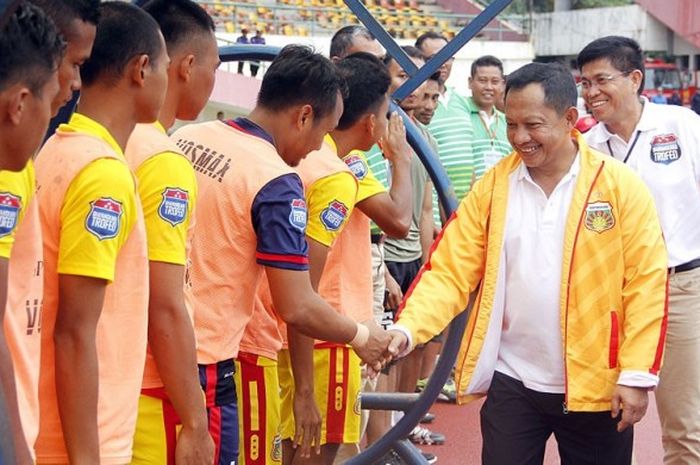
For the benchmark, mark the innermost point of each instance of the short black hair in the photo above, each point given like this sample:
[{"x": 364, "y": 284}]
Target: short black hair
[
  {"x": 124, "y": 31},
  {"x": 411, "y": 51},
  {"x": 299, "y": 75},
  {"x": 435, "y": 77},
  {"x": 179, "y": 20},
  {"x": 30, "y": 48},
  {"x": 368, "y": 82},
  {"x": 343, "y": 39},
  {"x": 486, "y": 60},
  {"x": 624, "y": 54},
  {"x": 557, "y": 83},
  {"x": 64, "y": 12},
  {"x": 429, "y": 35}
]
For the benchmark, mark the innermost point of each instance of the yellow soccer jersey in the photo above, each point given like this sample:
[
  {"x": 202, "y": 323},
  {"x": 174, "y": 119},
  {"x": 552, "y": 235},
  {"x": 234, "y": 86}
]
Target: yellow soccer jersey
[
  {"x": 99, "y": 210},
  {"x": 368, "y": 185},
  {"x": 168, "y": 191},
  {"x": 330, "y": 201},
  {"x": 16, "y": 191}
]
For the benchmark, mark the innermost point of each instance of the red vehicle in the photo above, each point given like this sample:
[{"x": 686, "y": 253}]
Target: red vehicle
[
  {"x": 585, "y": 119},
  {"x": 665, "y": 77}
]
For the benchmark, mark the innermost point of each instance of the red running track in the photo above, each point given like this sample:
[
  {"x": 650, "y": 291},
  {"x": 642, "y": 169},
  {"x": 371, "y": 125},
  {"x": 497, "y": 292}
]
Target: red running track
[{"x": 460, "y": 424}]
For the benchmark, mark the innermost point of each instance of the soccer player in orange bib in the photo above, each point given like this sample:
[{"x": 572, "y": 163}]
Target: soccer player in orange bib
[
  {"x": 337, "y": 266},
  {"x": 77, "y": 22},
  {"x": 251, "y": 217},
  {"x": 30, "y": 51},
  {"x": 96, "y": 268},
  {"x": 172, "y": 422}
]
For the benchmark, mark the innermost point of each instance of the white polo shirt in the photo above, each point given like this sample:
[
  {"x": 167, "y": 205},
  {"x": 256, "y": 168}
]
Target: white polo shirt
[
  {"x": 531, "y": 348},
  {"x": 665, "y": 151}
]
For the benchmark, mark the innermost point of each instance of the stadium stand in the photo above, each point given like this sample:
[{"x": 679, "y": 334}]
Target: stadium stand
[{"x": 404, "y": 19}]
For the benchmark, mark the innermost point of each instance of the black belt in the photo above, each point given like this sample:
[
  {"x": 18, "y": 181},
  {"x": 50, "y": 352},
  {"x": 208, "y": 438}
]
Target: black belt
[
  {"x": 691, "y": 265},
  {"x": 377, "y": 238}
]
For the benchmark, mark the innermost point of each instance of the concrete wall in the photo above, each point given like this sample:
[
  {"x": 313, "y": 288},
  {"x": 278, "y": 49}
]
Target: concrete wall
[{"x": 567, "y": 32}]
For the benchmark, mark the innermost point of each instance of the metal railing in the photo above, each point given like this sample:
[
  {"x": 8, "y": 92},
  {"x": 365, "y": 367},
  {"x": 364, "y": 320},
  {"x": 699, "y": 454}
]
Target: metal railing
[{"x": 302, "y": 20}]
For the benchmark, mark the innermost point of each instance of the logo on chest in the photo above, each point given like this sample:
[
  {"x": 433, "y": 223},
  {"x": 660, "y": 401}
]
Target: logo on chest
[
  {"x": 173, "y": 207},
  {"x": 105, "y": 217},
  {"x": 665, "y": 149},
  {"x": 357, "y": 165},
  {"x": 333, "y": 216},
  {"x": 297, "y": 215},
  {"x": 599, "y": 217},
  {"x": 10, "y": 205}
]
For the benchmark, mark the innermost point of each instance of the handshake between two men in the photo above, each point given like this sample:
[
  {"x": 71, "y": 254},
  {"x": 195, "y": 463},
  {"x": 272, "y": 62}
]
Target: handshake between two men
[{"x": 377, "y": 347}]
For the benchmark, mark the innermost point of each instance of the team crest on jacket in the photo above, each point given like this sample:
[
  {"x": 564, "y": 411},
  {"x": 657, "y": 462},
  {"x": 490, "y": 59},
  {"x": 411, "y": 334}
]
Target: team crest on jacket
[
  {"x": 10, "y": 205},
  {"x": 599, "y": 217},
  {"x": 334, "y": 215},
  {"x": 173, "y": 207},
  {"x": 105, "y": 218},
  {"x": 297, "y": 217},
  {"x": 357, "y": 165},
  {"x": 665, "y": 149}
]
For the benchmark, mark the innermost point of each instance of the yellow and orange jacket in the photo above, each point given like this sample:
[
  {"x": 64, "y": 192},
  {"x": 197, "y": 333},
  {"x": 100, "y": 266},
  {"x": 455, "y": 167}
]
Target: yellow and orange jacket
[{"x": 613, "y": 285}]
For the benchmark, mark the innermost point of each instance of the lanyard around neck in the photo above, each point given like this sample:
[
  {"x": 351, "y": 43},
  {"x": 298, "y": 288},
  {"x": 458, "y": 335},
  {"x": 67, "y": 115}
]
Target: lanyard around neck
[
  {"x": 491, "y": 132},
  {"x": 629, "y": 151}
]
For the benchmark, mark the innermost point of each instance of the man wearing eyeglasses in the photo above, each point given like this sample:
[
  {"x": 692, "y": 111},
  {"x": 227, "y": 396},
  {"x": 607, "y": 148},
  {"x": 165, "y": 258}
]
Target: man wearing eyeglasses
[{"x": 662, "y": 144}]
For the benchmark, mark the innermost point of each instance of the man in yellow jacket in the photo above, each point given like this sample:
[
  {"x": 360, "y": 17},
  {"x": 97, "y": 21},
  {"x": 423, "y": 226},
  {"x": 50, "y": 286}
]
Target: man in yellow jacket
[{"x": 563, "y": 247}]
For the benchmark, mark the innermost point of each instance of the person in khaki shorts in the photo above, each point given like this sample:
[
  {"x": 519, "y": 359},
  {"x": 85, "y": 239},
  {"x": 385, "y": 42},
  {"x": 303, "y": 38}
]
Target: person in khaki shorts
[{"x": 662, "y": 144}]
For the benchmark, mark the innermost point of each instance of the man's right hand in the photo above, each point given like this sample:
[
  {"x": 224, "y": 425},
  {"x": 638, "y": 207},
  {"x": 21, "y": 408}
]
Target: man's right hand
[
  {"x": 194, "y": 447},
  {"x": 394, "y": 145},
  {"x": 375, "y": 352},
  {"x": 394, "y": 295},
  {"x": 399, "y": 342}
]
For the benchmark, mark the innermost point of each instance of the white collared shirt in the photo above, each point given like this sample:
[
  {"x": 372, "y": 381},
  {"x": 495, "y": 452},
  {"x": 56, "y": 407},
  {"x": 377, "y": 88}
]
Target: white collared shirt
[
  {"x": 665, "y": 151},
  {"x": 531, "y": 348}
]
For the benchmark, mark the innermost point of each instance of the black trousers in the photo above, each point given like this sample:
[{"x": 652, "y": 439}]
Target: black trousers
[
  {"x": 516, "y": 423},
  {"x": 404, "y": 272}
]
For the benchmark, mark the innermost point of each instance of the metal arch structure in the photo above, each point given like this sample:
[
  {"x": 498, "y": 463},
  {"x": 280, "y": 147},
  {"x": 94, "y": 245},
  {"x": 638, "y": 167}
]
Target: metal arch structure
[
  {"x": 418, "y": 76},
  {"x": 415, "y": 406}
]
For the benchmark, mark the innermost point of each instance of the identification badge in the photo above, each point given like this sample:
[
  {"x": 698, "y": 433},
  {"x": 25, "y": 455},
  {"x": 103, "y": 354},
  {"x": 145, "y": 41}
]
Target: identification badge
[{"x": 492, "y": 157}]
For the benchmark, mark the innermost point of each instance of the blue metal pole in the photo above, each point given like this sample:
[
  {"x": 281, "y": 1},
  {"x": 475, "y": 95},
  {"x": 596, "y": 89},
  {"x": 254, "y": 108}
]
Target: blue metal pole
[
  {"x": 382, "y": 36},
  {"x": 242, "y": 52},
  {"x": 415, "y": 409},
  {"x": 409, "y": 453},
  {"x": 464, "y": 36}
]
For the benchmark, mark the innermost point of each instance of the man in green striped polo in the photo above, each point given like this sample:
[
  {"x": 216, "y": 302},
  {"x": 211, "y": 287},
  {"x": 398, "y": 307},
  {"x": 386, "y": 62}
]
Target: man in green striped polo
[
  {"x": 451, "y": 126},
  {"x": 489, "y": 143}
]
